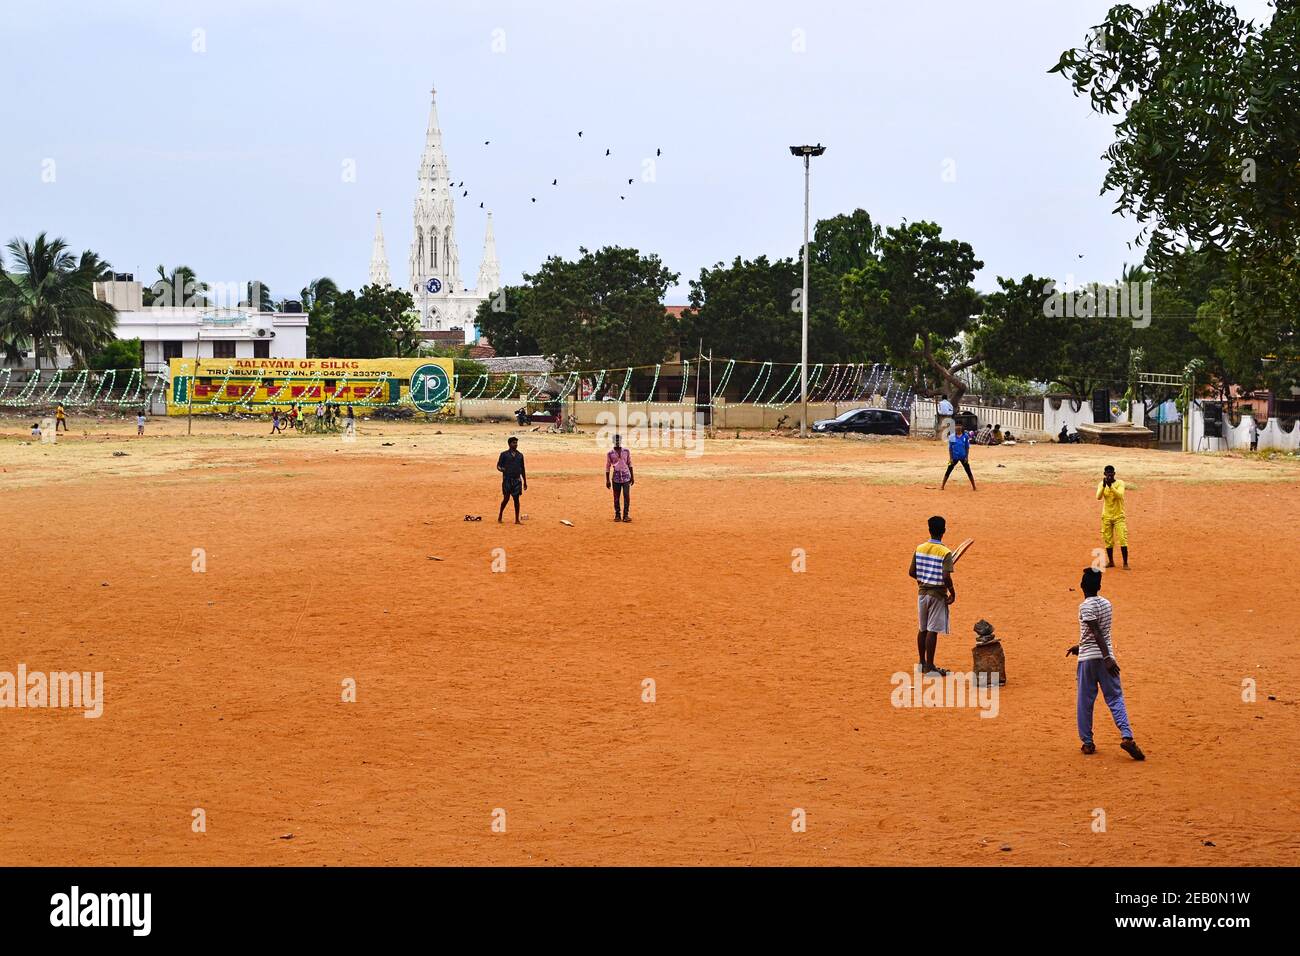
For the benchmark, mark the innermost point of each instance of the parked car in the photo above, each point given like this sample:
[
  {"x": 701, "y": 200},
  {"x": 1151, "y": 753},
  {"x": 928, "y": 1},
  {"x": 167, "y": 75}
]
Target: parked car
[{"x": 867, "y": 421}]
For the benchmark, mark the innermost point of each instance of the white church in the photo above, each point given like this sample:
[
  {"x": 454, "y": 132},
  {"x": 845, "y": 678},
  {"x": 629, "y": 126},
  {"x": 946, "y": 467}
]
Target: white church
[{"x": 443, "y": 302}]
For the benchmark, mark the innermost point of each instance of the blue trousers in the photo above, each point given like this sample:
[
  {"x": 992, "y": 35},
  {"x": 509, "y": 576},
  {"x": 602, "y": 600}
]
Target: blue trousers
[{"x": 1093, "y": 675}]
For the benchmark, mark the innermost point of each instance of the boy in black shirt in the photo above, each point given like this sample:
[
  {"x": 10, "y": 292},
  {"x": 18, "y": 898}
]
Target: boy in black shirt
[{"x": 514, "y": 479}]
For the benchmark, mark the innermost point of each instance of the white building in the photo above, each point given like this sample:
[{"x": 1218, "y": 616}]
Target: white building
[
  {"x": 442, "y": 300},
  {"x": 167, "y": 332}
]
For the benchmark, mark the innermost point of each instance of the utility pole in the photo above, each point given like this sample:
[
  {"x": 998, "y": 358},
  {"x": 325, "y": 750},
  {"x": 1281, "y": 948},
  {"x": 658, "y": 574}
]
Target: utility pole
[{"x": 194, "y": 380}]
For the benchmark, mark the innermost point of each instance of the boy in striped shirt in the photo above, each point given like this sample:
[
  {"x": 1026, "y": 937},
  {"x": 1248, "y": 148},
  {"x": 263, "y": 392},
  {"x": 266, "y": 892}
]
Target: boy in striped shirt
[
  {"x": 1098, "y": 667},
  {"x": 932, "y": 569}
]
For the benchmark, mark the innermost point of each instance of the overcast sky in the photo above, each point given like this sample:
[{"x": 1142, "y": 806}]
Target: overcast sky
[{"x": 222, "y": 135}]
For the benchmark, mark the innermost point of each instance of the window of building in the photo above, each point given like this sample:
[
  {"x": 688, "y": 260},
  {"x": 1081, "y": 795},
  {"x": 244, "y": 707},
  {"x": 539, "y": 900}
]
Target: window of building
[
  {"x": 262, "y": 348},
  {"x": 223, "y": 349},
  {"x": 171, "y": 350}
]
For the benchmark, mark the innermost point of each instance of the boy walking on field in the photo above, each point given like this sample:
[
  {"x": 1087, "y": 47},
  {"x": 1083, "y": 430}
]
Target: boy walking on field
[
  {"x": 932, "y": 569},
  {"x": 619, "y": 460},
  {"x": 1113, "y": 524},
  {"x": 514, "y": 477},
  {"x": 1098, "y": 668}
]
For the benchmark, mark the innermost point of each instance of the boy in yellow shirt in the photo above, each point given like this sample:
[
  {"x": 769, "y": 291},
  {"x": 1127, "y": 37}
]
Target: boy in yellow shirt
[{"x": 1113, "y": 526}]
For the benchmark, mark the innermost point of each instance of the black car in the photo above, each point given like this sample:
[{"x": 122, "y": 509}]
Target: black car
[{"x": 867, "y": 421}]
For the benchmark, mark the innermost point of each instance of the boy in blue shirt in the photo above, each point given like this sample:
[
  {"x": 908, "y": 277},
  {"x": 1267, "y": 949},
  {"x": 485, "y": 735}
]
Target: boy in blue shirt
[{"x": 958, "y": 451}]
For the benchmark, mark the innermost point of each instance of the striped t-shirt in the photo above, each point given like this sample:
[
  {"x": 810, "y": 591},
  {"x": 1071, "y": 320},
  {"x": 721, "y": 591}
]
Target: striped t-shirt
[
  {"x": 1095, "y": 608},
  {"x": 932, "y": 560}
]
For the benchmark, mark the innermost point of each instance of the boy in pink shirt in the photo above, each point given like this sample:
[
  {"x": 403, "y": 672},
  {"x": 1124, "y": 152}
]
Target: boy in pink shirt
[{"x": 619, "y": 461}]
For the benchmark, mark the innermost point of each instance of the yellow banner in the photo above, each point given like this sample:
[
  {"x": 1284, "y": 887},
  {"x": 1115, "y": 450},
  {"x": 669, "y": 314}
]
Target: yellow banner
[{"x": 257, "y": 385}]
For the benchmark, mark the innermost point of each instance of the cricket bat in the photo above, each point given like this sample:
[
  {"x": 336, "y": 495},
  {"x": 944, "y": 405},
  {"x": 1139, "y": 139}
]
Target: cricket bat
[{"x": 961, "y": 549}]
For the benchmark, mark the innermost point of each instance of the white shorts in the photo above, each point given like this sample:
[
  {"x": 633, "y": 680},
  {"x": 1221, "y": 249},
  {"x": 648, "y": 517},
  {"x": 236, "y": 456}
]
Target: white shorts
[{"x": 932, "y": 612}]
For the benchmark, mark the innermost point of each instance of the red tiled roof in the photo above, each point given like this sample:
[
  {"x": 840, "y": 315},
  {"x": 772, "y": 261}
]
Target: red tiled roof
[{"x": 482, "y": 352}]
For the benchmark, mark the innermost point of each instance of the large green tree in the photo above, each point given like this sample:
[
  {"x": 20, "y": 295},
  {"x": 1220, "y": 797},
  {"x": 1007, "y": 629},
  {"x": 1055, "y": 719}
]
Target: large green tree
[
  {"x": 47, "y": 299},
  {"x": 375, "y": 323},
  {"x": 914, "y": 300},
  {"x": 746, "y": 310},
  {"x": 601, "y": 310},
  {"x": 500, "y": 320},
  {"x": 1206, "y": 158},
  {"x": 752, "y": 309}
]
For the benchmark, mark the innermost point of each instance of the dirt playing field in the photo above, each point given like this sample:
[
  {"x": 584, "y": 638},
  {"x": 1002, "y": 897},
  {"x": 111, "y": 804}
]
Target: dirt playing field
[{"x": 522, "y": 691}]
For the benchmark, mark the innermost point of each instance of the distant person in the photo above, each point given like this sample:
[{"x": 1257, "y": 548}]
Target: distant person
[
  {"x": 958, "y": 452},
  {"x": 1114, "y": 525},
  {"x": 60, "y": 418},
  {"x": 997, "y": 435},
  {"x": 943, "y": 414},
  {"x": 275, "y": 422},
  {"x": 1098, "y": 668},
  {"x": 1254, "y": 432},
  {"x": 139, "y": 422},
  {"x": 350, "y": 425},
  {"x": 514, "y": 477},
  {"x": 619, "y": 459},
  {"x": 293, "y": 416},
  {"x": 36, "y": 429},
  {"x": 932, "y": 568}
]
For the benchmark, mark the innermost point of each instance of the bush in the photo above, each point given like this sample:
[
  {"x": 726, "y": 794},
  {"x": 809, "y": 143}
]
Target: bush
[
  {"x": 120, "y": 353},
  {"x": 468, "y": 372}
]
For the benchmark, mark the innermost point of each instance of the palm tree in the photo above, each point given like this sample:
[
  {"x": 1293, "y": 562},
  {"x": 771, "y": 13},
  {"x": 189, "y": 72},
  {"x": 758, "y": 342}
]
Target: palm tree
[
  {"x": 318, "y": 290},
  {"x": 176, "y": 289},
  {"x": 50, "y": 300},
  {"x": 258, "y": 296}
]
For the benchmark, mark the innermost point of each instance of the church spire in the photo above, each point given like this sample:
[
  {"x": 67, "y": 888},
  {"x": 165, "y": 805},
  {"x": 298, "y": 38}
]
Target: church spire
[
  {"x": 435, "y": 258},
  {"x": 489, "y": 269},
  {"x": 433, "y": 162},
  {"x": 379, "y": 256}
]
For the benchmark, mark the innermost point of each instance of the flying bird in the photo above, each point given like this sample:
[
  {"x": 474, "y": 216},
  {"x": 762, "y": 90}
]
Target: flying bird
[
  {"x": 629, "y": 182},
  {"x": 606, "y": 152},
  {"x": 579, "y": 134},
  {"x": 480, "y": 205},
  {"x": 622, "y": 197},
  {"x": 658, "y": 152},
  {"x": 486, "y": 141},
  {"x": 534, "y": 199},
  {"x": 555, "y": 182}
]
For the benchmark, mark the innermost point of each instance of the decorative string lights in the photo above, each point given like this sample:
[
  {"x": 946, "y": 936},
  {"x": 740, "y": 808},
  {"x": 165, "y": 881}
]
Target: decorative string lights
[{"x": 226, "y": 389}]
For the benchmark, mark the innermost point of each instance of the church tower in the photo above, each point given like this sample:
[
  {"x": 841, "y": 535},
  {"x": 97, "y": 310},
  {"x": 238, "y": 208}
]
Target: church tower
[
  {"x": 489, "y": 268},
  {"x": 379, "y": 256},
  {"x": 435, "y": 259}
]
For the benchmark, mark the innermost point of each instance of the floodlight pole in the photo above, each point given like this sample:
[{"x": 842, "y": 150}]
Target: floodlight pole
[
  {"x": 803, "y": 301},
  {"x": 807, "y": 152}
]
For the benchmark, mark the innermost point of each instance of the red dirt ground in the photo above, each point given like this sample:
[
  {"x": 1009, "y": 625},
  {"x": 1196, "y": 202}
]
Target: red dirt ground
[{"x": 522, "y": 690}]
